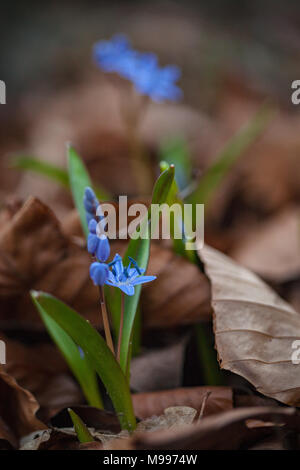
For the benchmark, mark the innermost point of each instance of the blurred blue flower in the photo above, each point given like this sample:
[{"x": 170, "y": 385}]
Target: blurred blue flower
[
  {"x": 158, "y": 83},
  {"x": 90, "y": 203},
  {"x": 141, "y": 69},
  {"x": 99, "y": 273},
  {"x": 108, "y": 54},
  {"x": 126, "y": 278},
  {"x": 97, "y": 245}
]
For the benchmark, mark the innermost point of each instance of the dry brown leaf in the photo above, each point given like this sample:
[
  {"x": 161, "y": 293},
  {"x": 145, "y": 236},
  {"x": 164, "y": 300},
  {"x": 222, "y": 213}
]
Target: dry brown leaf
[
  {"x": 174, "y": 299},
  {"x": 51, "y": 439},
  {"x": 18, "y": 409},
  {"x": 254, "y": 328},
  {"x": 226, "y": 430},
  {"x": 223, "y": 431},
  {"x": 154, "y": 403},
  {"x": 272, "y": 250},
  {"x": 101, "y": 420},
  {"x": 42, "y": 370},
  {"x": 157, "y": 369}
]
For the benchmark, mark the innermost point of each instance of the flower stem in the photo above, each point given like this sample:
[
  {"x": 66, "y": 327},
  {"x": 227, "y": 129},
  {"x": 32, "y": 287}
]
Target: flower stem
[
  {"x": 107, "y": 332},
  {"x": 121, "y": 327}
]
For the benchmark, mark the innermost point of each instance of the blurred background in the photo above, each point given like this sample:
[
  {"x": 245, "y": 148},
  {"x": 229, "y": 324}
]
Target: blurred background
[{"x": 234, "y": 56}]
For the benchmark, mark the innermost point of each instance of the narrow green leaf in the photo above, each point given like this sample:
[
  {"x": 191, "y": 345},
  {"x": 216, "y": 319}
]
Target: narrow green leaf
[
  {"x": 97, "y": 352},
  {"x": 53, "y": 172},
  {"x": 79, "y": 180},
  {"x": 208, "y": 357},
  {"x": 175, "y": 151},
  {"x": 174, "y": 198},
  {"x": 79, "y": 365},
  {"x": 138, "y": 249},
  {"x": 228, "y": 156},
  {"x": 81, "y": 430},
  {"x": 162, "y": 186}
]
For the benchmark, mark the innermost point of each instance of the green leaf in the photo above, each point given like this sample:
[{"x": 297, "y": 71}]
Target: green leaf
[
  {"x": 175, "y": 151},
  {"x": 53, "y": 172},
  {"x": 98, "y": 353},
  {"x": 79, "y": 365},
  {"x": 139, "y": 250},
  {"x": 236, "y": 146},
  {"x": 81, "y": 430},
  {"x": 174, "y": 198},
  {"x": 207, "y": 357},
  {"x": 79, "y": 180}
]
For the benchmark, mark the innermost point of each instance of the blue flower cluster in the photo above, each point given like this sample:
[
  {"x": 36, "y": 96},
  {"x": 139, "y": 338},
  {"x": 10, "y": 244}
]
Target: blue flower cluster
[
  {"x": 142, "y": 69},
  {"x": 125, "y": 278}
]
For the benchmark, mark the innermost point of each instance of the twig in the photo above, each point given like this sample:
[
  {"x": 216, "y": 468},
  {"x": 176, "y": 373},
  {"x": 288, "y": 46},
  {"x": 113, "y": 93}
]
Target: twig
[
  {"x": 121, "y": 327},
  {"x": 204, "y": 401},
  {"x": 106, "y": 325}
]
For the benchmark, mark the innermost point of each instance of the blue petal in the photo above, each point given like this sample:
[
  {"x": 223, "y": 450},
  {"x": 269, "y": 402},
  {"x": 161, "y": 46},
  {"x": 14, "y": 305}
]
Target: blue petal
[
  {"x": 111, "y": 278},
  {"x": 89, "y": 205},
  {"x": 117, "y": 264},
  {"x": 92, "y": 243},
  {"x": 103, "y": 249},
  {"x": 90, "y": 196},
  {"x": 93, "y": 226},
  {"x": 128, "y": 290},
  {"x": 142, "y": 280},
  {"x": 99, "y": 273}
]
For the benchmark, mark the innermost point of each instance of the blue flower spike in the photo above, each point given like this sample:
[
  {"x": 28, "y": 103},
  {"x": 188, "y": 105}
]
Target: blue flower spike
[
  {"x": 90, "y": 203},
  {"x": 97, "y": 245},
  {"x": 141, "y": 69},
  {"x": 99, "y": 273},
  {"x": 126, "y": 278}
]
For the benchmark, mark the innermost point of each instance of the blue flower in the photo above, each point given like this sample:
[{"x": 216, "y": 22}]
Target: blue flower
[
  {"x": 99, "y": 273},
  {"x": 97, "y": 245},
  {"x": 90, "y": 203},
  {"x": 158, "y": 83},
  {"x": 141, "y": 69},
  {"x": 109, "y": 54},
  {"x": 126, "y": 278}
]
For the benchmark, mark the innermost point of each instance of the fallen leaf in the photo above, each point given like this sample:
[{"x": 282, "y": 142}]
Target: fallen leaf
[
  {"x": 18, "y": 409},
  {"x": 101, "y": 420},
  {"x": 171, "y": 418},
  {"x": 179, "y": 296},
  {"x": 157, "y": 369},
  {"x": 154, "y": 403},
  {"x": 254, "y": 328},
  {"x": 272, "y": 250},
  {"x": 222, "y": 431},
  {"x": 51, "y": 439}
]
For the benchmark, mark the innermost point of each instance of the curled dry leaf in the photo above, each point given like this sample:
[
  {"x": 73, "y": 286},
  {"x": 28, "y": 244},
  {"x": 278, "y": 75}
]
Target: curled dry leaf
[
  {"x": 51, "y": 439},
  {"x": 18, "y": 409},
  {"x": 273, "y": 249},
  {"x": 227, "y": 430},
  {"x": 254, "y": 328},
  {"x": 42, "y": 370},
  {"x": 154, "y": 403},
  {"x": 35, "y": 254}
]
